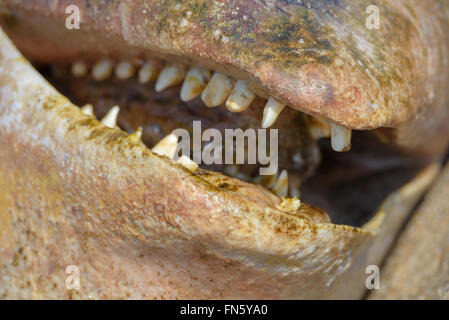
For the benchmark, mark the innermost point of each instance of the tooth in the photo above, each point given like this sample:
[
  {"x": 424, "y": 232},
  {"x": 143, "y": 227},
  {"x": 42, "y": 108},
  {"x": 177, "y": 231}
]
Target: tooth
[
  {"x": 110, "y": 118},
  {"x": 169, "y": 76},
  {"x": 146, "y": 73},
  {"x": 167, "y": 146},
  {"x": 280, "y": 188},
  {"x": 194, "y": 83},
  {"x": 294, "y": 187},
  {"x": 240, "y": 97},
  {"x": 124, "y": 70},
  {"x": 340, "y": 138},
  {"x": 289, "y": 204},
  {"x": 189, "y": 164},
  {"x": 136, "y": 137},
  {"x": 271, "y": 111},
  {"x": 217, "y": 90},
  {"x": 318, "y": 128},
  {"x": 79, "y": 69},
  {"x": 88, "y": 110},
  {"x": 102, "y": 70}
]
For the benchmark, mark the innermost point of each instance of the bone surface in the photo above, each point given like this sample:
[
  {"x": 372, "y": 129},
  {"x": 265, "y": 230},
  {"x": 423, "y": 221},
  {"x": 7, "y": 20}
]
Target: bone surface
[
  {"x": 271, "y": 111},
  {"x": 170, "y": 75},
  {"x": 240, "y": 97},
  {"x": 289, "y": 204},
  {"x": 110, "y": 118},
  {"x": 217, "y": 90}
]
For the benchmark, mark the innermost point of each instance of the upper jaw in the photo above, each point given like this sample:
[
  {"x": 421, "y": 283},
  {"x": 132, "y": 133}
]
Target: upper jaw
[{"x": 315, "y": 57}]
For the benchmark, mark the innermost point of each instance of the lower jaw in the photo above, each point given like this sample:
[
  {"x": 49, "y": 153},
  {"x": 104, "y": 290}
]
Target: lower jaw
[{"x": 144, "y": 227}]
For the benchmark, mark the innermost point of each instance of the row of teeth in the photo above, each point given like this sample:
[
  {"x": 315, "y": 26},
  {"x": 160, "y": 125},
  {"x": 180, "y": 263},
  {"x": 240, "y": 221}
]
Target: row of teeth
[
  {"x": 215, "y": 89},
  {"x": 279, "y": 184}
]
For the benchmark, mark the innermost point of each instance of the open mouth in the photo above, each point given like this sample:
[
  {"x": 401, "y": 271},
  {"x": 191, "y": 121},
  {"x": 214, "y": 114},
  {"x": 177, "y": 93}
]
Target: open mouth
[{"x": 347, "y": 147}]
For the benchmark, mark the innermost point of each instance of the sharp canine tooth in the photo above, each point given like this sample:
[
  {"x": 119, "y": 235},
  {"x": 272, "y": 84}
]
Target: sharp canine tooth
[
  {"x": 240, "y": 97},
  {"x": 79, "y": 69},
  {"x": 167, "y": 146},
  {"x": 136, "y": 137},
  {"x": 280, "y": 188},
  {"x": 169, "y": 76},
  {"x": 102, "y": 69},
  {"x": 110, "y": 118},
  {"x": 217, "y": 90},
  {"x": 146, "y": 73},
  {"x": 340, "y": 138},
  {"x": 88, "y": 110},
  {"x": 194, "y": 83},
  {"x": 189, "y": 164},
  {"x": 289, "y": 204},
  {"x": 124, "y": 70},
  {"x": 271, "y": 111}
]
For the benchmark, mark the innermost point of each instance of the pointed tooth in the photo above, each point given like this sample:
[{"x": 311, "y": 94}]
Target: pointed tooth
[
  {"x": 169, "y": 76},
  {"x": 289, "y": 204},
  {"x": 136, "y": 137},
  {"x": 88, "y": 110},
  {"x": 110, "y": 118},
  {"x": 280, "y": 188},
  {"x": 340, "y": 138},
  {"x": 271, "y": 111},
  {"x": 102, "y": 69},
  {"x": 217, "y": 90},
  {"x": 188, "y": 163},
  {"x": 147, "y": 72},
  {"x": 124, "y": 70},
  {"x": 294, "y": 186},
  {"x": 318, "y": 128},
  {"x": 167, "y": 146},
  {"x": 240, "y": 97},
  {"x": 79, "y": 69},
  {"x": 194, "y": 83}
]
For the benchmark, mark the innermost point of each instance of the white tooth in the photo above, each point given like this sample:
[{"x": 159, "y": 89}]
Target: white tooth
[
  {"x": 240, "y": 97},
  {"x": 289, "y": 204},
  {"x": 294, "y": 187},
  {"x": 189, "y": 164},
  {"x": 318, "y": 128},
  {"x": 136, "y": 137},
  {"x": 217, "y": 90},
  {"x": 110, "y": 118},
  {"x": 280, "y": 188},
  {"x": 146, "y": 73},
  {"x": 169, "y": 76},
  {"x": 271, "y": 111},
  {"x": 340, "y": 138},
  {"x": 79, "y": 69},
  {"x": 88, "y": 110},
  {"x": 194, "y": 83},
  {"x": 124, "y": 70},
  {"x": 167, "y": 146},
  {"x": 102, "y": 70}
]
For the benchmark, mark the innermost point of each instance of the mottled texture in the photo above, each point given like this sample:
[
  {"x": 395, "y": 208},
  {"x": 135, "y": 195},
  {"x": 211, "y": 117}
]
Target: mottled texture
[
  {"x": 418, "y": 267},
  {"x": 316, "y": 56},
  {"x": 140, "y": 226}
]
